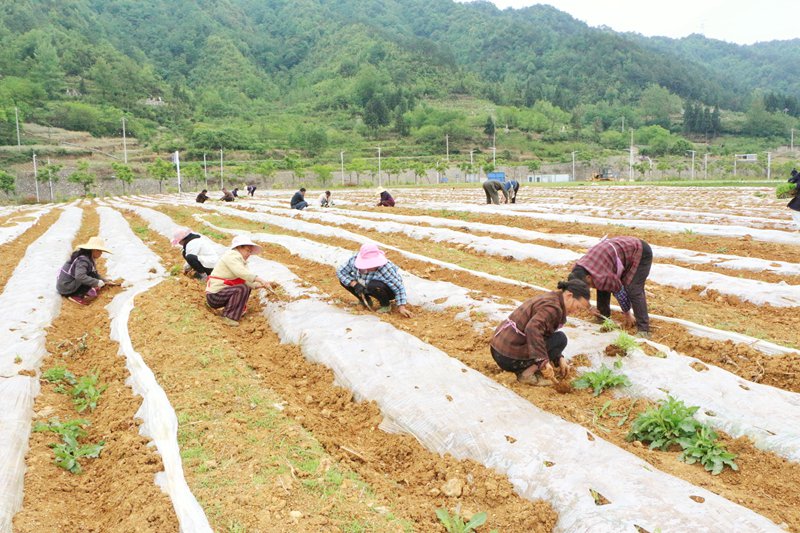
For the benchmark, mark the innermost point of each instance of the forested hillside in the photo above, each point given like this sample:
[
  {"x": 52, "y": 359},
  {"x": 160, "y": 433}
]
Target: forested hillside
[{"x": 292, "y": 73}]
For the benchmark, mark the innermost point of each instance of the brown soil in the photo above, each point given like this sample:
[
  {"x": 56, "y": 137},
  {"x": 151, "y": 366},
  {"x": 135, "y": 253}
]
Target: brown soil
[
  {"x": 614, "y": 351},
  {"x": 117, "y": 491},
  {"x": 405, "y": 477},
  {"x": 12, "y": 252},
  {"x": 460, "y": 340}
]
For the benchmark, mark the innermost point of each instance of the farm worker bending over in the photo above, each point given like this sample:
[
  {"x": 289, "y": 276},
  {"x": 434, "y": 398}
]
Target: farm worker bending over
[
  {"x": 618, "y": 265},
  {"x": 230, "y": 282},
  {"x": 490, "y": 187},
  {"x": 202, "y": 197},
  {"x": 198, "y": 252},
  {"x": 368, "y": 274},
  {"x": 78, "y": 279},
  {"x": 227, "y": 196},
  {"x": 386, "y": 199},
  {"x": 325, "y": 199},
  {"x": 528, "y": 343},
  {"x": 512, "y": 187},
  {"x": 299, "y": 200}
]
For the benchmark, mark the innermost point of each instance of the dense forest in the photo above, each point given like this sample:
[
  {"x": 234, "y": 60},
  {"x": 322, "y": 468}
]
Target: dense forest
[{"x": 278, "y": 75}]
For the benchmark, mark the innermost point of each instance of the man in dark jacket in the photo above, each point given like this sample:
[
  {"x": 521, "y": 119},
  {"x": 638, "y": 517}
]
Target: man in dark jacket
[
  {"x": 491, "y": 187},
  {"x": 202, "y": 197},
  {"x": 299, "y": 200}
]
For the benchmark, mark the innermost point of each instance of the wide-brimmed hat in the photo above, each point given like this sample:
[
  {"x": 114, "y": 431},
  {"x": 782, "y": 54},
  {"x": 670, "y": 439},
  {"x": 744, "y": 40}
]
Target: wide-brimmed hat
[
  {"x": 370, "y": 256},
  {"x": 245, "y": 240},
  {"x": 180, "y": 234},
  {"x": 381, "y": 189},
  {"x": 94, "y": 243}
]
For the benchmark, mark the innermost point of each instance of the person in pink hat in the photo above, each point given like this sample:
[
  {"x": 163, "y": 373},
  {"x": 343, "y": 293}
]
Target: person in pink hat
[
  {"x": 201, "y": 258},
  {"x": 368, "y": 274}
]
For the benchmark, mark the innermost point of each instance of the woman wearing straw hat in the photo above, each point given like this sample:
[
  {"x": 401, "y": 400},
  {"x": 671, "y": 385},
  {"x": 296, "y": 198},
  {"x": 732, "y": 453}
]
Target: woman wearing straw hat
[
  {"x": 386, "y": 199},
  {"x": 78, "y": 279},
  {"x": 368, "y": 274},
  {"x": 230, "y": 283},
  {"x": 198, "y": 252}
]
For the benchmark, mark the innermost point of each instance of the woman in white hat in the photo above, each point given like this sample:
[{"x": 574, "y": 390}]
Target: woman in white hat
[
  {"x": 78, "y": 279},
  {"x": 197, "y": 250},
  {"x": 230, "y": 283},
  {"x": 386, "y": 199},
  {"x": 368, "y": 274}
]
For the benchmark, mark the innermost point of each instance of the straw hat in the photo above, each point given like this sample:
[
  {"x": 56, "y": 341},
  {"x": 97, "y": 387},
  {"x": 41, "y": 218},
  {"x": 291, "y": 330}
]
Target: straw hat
[
  {"x": 381, "y": 189},
  {"x": 179, "y": 235},
  {"x": 245, "y": 240},
  {"x": 95, "y": 243},
  {"x": 370, "y": 256}
]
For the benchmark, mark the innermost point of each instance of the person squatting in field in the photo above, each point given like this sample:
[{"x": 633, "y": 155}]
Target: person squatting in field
[
  {"x": 198, "y": 252},
  {"x": 794, "y": 203},
  {"x": 386, "y": 199},
  {"x": 528, "y": 342},
  {"x": 325, "y": 199},
  {"x": 202, "y": 196},
  {"x": 78, "y": 278},
  {"x": 230, "y": 283},
  {"x": 298, "y": 201},
  {"x": 619, "y": 265},
  {"x": 368, "y": 274},
  {"x": 491, "y": 187},
  {"x": 512, "y": 188}
]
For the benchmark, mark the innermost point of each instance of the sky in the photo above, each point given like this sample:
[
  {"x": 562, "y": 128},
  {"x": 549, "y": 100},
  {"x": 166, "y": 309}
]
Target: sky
[{"x": 735, "y": 21}]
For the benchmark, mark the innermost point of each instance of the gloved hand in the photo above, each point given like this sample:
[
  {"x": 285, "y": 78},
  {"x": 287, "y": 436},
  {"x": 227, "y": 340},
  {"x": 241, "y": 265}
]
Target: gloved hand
[{"x": 101, "y": 284}]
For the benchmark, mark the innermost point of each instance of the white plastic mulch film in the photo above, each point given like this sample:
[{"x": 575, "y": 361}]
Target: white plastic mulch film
[
  {"x": 141, "y": 269},
  {"x": 29, "y": 303},
  {"x": 21, "y": 222}
]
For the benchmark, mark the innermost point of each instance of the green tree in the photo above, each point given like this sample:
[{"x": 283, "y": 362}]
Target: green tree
[
  {"x": 324, "y": 173},
  {"x": 657, "y": 104},
  {"x": 161, "y": 170},
  {"x": 124, "y": 174},
  {"x": 49, "y": 174},
  {"x": 7, "y": 183},
  {"x": 420, "y": 170},
  {"x": 46, "y": 68},
  {"x": 83, "y": 177},
  {"x": 376, "y": 114},
  {"x": 266, "y": 169}
]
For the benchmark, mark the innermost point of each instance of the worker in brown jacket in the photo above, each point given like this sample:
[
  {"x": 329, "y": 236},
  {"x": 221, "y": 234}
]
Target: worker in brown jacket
[{"x": 528, "y": 342}]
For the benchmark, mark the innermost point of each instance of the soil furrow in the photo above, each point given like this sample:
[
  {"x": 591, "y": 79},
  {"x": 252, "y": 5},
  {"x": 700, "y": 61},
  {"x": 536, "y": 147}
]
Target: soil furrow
[{"x": 11, "y": 252}]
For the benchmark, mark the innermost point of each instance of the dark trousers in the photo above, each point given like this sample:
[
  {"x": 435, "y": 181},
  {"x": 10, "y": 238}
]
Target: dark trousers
[
  {"x": 491, "y": 193},
  {"x": 555, "y": 347},
  {"x": 232, "y": 298},
  {"x": 375, "y": 289},
  {"x": 196, "y": 265},
  {"x": 635, "y": 290}
]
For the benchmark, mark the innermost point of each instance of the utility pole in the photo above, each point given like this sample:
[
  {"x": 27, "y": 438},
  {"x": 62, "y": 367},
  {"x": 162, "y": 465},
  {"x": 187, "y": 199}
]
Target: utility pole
[
  {"x": 791, "y": 145},
  {"x": 16, "y": 118},
  {"x": 692, "y": 152},
  {"x": 178, "y": 169},
  {"x": 124, "y": 142},
  {"x": 50, "y": 180},
  {"x": 447, "y": 147},
  {"x": 769, "y": 165},
  {"x": 205, "y": 169},
  {"x": 221, "y": 169},
  {"x": 623, "y": 123},
  {"x": 494, "y": 157},
  {"x": 630, "y": 160},
  {"x": 341, "y": 157},
  {"x": 573, "y": 165},
  {"x": 36, "y": 178},
  {"x": 471, "y": 162},
  {"x": 380, "y": 183},
  {"x": 705, "y": 166}
]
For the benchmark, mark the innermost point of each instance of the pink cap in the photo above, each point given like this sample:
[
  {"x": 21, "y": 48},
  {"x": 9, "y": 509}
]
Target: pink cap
[
  {"x": 179, "y": 235},
  {"x": 370, "y": 256}
]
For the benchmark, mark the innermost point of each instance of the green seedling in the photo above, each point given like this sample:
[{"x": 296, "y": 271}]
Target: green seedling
[
  {"x": 609, "y": 325},
  {"x": 86, "y": 392},
  {"x": 455, "y": 524},
  {"x": 599, "y": 413},
  {"x": 61, "y": 377},
  {"x": 625, "y": 342},
  {"x": 705, "y": 448},
  {"x": 70, "y": 450},
  {"x": 17, "y": 360},
  {"x": 73, "y": 428},
  {"x": 664, "y": 425},
  {"x": 603, "y": 379}
]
